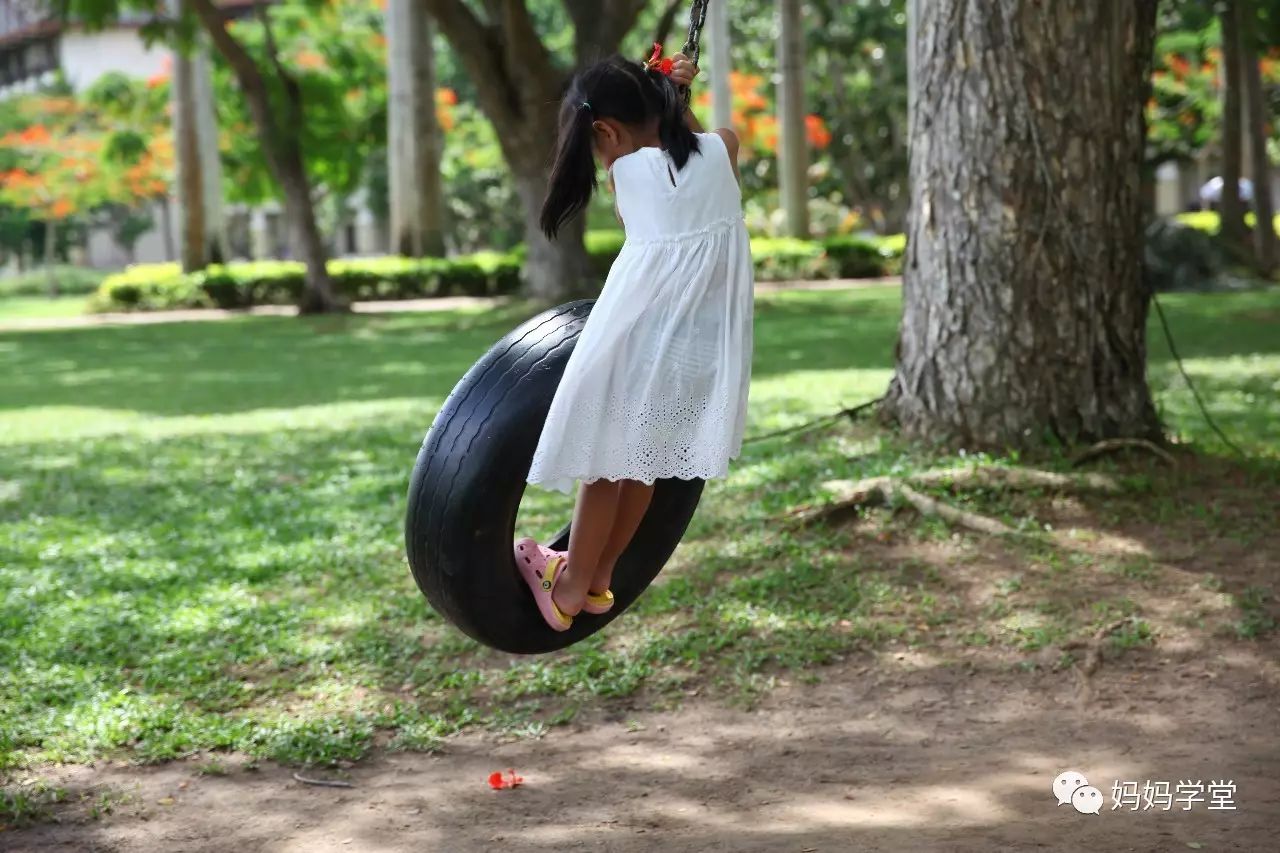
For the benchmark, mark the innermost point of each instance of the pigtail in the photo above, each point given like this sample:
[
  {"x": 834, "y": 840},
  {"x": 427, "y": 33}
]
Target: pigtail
[
  {"x": 679, "y": 141},
  {"x": 573, "y": 173}
]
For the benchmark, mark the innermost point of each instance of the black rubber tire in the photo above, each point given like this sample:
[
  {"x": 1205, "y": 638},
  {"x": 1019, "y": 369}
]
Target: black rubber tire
[{"x": 470, "y": 477}]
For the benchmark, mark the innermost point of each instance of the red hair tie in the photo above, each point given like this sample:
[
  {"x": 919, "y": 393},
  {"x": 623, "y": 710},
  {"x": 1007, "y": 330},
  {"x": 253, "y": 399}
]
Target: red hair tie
[{"x": 658, "y": 62}]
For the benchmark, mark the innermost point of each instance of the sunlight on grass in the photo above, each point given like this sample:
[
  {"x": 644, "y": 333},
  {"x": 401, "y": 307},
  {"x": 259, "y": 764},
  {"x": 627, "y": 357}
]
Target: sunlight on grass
[
  {"x": 201, "y": 543},
  {"x": 33, "y": 307}
]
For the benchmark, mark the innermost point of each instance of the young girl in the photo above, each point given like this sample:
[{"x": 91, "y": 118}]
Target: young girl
[{"x": 657, "y": 384}]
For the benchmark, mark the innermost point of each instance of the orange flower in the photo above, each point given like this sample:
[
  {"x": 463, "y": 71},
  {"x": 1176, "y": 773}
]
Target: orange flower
[
  {"x": 37, "y": 134},
  {"x": 61, "y": 209},
  {"x": 309, "y": 60},
  {"x": 816, "y": 129},
  {"x": 447, "y": 96}
]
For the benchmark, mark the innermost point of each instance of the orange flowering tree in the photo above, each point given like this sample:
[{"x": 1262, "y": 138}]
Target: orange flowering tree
[
  {"x": 70, "y": 160},
  {"x": 52, "y": 165}
]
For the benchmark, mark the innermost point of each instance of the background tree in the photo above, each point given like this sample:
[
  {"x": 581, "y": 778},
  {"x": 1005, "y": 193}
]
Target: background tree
[
  {"x": 414, "y": 144},
  {"x": 1256, "y": 112},
  {"x": 274, "y": 98},
  {"x": 1232, "y": 207},
  {"x": 518, "y": 82},
  {"x": 1024, "y": 312},
  {"x": 791, "y": 112}
]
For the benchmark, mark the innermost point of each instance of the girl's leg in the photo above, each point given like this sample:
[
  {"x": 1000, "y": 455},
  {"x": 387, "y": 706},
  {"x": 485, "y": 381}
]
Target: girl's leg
[
  {"x": 633, "y": 502},
  {"x": 593, "y": 517}
]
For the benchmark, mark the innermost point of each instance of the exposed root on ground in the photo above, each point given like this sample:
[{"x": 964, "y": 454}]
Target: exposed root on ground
[
  {"x": 886, "y": 491},
  {"x": 1093, "y": 656},
  {"x": 1115, "y": 445}
]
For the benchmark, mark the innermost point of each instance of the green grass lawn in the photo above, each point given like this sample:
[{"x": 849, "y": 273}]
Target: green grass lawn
[
  {"x": 27, "y": 307},
  {"x": 200, "y": 530}
]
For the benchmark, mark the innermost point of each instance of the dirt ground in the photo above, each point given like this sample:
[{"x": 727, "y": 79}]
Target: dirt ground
[
  {"x": 886, "y": 754},
  {"x": 938, "y": 746}
]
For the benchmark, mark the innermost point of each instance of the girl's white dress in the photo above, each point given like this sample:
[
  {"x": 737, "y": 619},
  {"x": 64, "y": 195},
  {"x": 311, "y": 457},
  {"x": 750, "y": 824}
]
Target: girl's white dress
[{"x": 657, "y": 384}]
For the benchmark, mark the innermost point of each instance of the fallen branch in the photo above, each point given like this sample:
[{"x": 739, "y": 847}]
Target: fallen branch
[
  {"x": 1114, "y": 445},
  {"x": 324, "y": 783}
]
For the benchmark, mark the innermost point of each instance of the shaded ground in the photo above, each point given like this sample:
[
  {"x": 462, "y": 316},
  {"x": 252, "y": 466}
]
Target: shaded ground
[
  {"x": 945, "y": 740},
  {"x": 888, "y": 754}
]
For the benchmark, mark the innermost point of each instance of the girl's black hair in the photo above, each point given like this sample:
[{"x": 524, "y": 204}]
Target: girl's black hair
[{"x": 620, "y": 89}]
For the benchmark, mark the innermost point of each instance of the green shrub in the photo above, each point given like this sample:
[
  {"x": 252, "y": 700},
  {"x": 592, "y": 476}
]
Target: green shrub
[
  {"x": 1209, "y": 222},
  {"x": 855, "y": 257},
  {"x": 784, "y": 258},
  {"x": 70, "y": 281},
  {"x": 151, "y": 287},
  {"x": 789, "y": 259}
]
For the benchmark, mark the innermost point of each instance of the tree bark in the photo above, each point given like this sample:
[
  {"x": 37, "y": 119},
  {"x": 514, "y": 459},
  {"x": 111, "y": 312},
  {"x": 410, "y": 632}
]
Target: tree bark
[
  {"x": 413, "y": 134},
  {"x": 1231, "y": 207},
  {"x": 166, "y": 229},
  {"x": 1264, "y": 231},
  {"x": 721, "y": 61},
  {"x": 1024, "y": 312},
  {"x": 50, "y": 255},
  {"x": 206, "y": 122},
  {"x": 793, "y": 155},
  {"x": 519, "y": 89},
  {"x": 186, "y": 148},
  {"x": 277, "y": 132}
]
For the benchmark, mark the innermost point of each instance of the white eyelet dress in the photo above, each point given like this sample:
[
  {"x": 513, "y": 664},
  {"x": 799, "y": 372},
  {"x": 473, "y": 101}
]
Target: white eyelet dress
[{"x": 657, "y": 385}]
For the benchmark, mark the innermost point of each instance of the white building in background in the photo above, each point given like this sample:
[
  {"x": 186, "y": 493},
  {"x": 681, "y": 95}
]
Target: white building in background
[{"x": 34, "y": 47}]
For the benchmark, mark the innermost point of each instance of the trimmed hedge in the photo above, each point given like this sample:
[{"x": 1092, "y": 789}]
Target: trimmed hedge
[
  {"x": 1209, "y": 222},
  {"x": 243, "y": 285},
  {"x": 151, "y": 287}
]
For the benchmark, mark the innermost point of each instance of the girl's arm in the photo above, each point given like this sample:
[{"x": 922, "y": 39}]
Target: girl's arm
[
  {"x": 682, "y": 73},
  {"x": 614, "y": 192}
]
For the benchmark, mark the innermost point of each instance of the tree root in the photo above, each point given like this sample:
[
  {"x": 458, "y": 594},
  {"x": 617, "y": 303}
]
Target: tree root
[
  {"x": 324, "y": 783},
  {"x": 1093, "y": 656},
  {"x": 881, "y": 491},
  {"x": 1114, "y": 445}
]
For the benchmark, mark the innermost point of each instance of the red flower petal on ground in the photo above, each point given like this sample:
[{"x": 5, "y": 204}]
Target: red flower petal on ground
[{"x": 498, "y": 782}]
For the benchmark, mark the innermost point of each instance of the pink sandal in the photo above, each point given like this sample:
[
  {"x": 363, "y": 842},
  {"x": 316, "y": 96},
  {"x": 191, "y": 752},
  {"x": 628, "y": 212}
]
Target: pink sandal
[
  {"x": 541, "y": 574},
  {"x": 597, "y": 603}
]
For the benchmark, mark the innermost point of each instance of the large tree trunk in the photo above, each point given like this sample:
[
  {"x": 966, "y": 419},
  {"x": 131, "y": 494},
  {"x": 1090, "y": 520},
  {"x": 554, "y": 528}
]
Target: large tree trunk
[
  {"x": 1256, "y": 123},
  {"x": 206, "y": 121},
  {"x": 1024, "y": 309},
  {"x": 166, "y": 229},
  {"x": 50, "y": 256},
  {"x": 1231, "y": 207},
  {"x": 279, "y": 137},
  {"x": 519, "y": 89},
  {"x": 189, "y": 182},
  {"x": 720, "y": 57},
  {"x": 793, "y": 155},
  {"x": 413, "y": 134}
]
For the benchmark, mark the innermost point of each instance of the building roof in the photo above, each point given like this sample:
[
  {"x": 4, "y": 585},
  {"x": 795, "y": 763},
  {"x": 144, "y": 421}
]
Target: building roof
[{"x": 24, "y": 21}]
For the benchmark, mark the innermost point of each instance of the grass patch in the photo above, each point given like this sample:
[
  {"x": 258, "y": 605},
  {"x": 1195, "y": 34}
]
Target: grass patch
[
  {"x": 31, "y": 307},
  {"x": 200, "y": 535}
]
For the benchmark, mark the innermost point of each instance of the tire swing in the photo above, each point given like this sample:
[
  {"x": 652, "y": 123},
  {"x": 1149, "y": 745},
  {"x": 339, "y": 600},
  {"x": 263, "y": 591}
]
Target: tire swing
[{"x": 470, "y": 476}]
